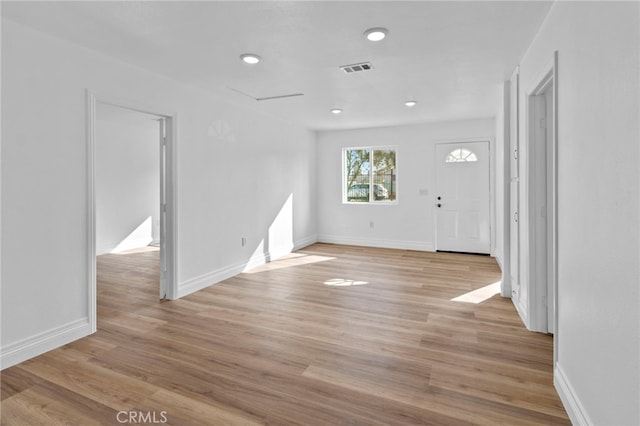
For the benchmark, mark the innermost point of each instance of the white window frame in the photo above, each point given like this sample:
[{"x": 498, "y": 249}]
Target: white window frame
[{"x": 343, "y": 180}]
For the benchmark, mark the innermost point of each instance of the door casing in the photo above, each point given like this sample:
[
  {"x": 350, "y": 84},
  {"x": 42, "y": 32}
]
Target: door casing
[
  {"x": 541, "y": 186},
  {"x": 168, "y": 220}
]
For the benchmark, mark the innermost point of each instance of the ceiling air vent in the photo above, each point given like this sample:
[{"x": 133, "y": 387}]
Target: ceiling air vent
[{"x": 363, "y": 66}]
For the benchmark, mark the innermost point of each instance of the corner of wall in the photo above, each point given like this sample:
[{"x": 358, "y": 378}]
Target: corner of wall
[{"x": 576, "y": 411}]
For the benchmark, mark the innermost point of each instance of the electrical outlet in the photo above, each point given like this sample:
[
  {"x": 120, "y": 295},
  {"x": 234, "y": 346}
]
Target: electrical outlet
[{"x": 243, "y": 241}]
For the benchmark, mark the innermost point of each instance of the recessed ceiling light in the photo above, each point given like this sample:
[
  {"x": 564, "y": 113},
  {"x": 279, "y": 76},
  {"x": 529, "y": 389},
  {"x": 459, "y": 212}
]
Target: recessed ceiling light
[
  {"x": 250, "y": 58},
  {"x": 410, "y": 103},
  {"x": 376, "y": 34},
  {"x": 336, "y": 111}
]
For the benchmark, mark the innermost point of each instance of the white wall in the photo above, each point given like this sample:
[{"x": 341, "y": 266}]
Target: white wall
[
  {"x": 598, "y": 330},
  {"x": 127, "y": 171},
  {"x": 237, "y": 169},
  {"x": 410, "y": 223}
]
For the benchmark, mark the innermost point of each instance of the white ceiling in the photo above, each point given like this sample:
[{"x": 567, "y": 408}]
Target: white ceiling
[{"x": 449, "y": 56}]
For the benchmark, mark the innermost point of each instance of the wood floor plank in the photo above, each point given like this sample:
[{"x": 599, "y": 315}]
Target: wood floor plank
[
  {"x": 16, "y": 380},
  {"x": 100, "y": 384},
  {"x": 473, "y": 381},
  {"x": 186, "y": 411},
  {"x": 32, "y": 407},
  {"x": 329, "y": 335}
]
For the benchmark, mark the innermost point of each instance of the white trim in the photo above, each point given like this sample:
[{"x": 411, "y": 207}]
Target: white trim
[
  {"x": 171, "y": 188},
  {"x": 521, "y": 311},
  {"x": 211, "y": 278},
  {"x": 575, "y": 410},
  {"x": 371, "y": 203},
  {"x": 554, "y": 217},
  {"x": 539, "y": 279},
  {"x": 171, "y": 182},
  {"x": 371, "y": 242},
  {"x": 33, "y": 346},
  {"x": 205, "y": 280},
  {"x": 304, "y": 242},
  {"x": 130, "y": 104},
  {"x": 256, "y": 260},
  {"x": 92, "y": 295}
]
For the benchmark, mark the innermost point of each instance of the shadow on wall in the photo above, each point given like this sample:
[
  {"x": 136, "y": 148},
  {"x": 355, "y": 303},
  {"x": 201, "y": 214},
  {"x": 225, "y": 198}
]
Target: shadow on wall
[
  {"x": 274, "y": 251},
  {"x": 279, "y": 239}
]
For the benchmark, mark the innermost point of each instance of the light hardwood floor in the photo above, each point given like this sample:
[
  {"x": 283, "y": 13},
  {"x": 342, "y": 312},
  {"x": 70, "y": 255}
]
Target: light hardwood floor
[{"x": 327, "y": 336}]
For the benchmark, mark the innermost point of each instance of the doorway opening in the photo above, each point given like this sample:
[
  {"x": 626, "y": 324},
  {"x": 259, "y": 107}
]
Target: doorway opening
[
  {"x": 542, "y": 202},
  {"x": 131, "y": 208}
]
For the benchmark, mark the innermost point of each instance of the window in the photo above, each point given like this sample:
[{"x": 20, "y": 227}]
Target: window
[
  {"x": 369, "y": 175},
  {"x": 461, "y": 155}
]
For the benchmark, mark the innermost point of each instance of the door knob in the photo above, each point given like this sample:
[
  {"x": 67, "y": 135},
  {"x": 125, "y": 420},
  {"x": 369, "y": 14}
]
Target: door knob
[
  {"x": 439, "y": 198},
  {"x": 438, "y": 205}
]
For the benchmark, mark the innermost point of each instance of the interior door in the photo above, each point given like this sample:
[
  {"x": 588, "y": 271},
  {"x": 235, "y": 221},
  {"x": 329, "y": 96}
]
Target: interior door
[{"x": 463, "y": 197}]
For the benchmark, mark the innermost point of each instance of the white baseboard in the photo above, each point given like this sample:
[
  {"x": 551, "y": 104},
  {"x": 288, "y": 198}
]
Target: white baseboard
[
  {"x": 521, "y": 312},
  {"x": 221, "y": 274},
  {"x": 372, "y": 242},
  {"x": 577, "y": 414},
  {"x": 205, "y": 280},
  {"x": 307, "y": 241},
  {"x": 30, "y": 347},
  {"x": 505, "y": 286}
]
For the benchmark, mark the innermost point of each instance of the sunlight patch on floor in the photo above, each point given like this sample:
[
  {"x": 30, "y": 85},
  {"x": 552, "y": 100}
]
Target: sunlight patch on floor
[
  {"x": 479, "y": 295},
  {"x": 341, "y": 282},
  {"x": 293, "y": 259}
]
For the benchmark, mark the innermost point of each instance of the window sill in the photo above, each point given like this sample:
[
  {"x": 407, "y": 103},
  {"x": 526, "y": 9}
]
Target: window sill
[{"x": 369, "y": 203}]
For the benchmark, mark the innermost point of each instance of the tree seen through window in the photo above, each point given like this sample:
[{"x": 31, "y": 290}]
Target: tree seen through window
[{"x": 370, "y": 175}]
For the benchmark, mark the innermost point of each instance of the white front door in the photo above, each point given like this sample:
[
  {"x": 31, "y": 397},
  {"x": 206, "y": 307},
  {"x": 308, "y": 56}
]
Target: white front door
[{"x": 463, "y": 197}]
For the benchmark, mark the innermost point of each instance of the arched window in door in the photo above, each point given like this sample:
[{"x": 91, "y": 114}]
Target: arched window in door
[{"x": 461, "y": 155}]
